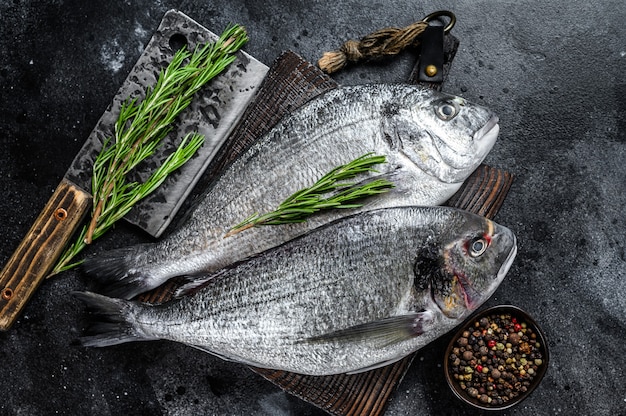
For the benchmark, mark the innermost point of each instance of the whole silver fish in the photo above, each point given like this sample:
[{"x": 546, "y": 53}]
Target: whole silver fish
[
  {"x": 360, "y": 292},
  {"x": 432, "y": 142}
]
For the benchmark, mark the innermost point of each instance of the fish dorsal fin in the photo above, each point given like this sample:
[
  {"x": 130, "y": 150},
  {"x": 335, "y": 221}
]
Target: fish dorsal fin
[{"x": 386, "y": 331}]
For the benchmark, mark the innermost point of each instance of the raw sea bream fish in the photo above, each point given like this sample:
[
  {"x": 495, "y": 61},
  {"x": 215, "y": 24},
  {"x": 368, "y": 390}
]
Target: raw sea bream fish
[
  {"x": 357, "y": 293},
  {"x": 432, "y": 142}
]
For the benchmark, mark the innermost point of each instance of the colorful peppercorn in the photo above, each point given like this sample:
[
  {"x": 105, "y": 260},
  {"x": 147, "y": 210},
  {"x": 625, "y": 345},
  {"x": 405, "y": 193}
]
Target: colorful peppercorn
[{"x": 496, "y": 359}]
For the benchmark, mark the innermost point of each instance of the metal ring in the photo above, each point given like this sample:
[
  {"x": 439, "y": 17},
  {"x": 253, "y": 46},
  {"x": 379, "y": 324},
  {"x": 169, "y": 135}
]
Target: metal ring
[
  {"x": 60, "y": 214},
  {"x": 442, "y": 13},
  {"x": 7, "y": 293}
]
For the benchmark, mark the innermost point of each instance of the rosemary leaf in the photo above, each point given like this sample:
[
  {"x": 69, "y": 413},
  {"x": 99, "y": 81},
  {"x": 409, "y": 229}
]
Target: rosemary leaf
[{"x": 329, "y": 192}]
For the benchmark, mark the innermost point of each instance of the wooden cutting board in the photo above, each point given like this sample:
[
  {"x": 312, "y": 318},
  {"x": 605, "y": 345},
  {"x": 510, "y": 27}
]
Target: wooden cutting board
[{"x": 290, "y": 82}]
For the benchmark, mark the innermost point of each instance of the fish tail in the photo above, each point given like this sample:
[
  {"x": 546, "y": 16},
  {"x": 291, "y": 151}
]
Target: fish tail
[
  {"x": 119, "y": 273},
  {"x": 111, "y": 321}
]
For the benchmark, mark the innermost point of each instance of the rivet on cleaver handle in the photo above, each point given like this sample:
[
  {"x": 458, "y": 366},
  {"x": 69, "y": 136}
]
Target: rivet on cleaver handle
[{"x": 40, "y": 249}]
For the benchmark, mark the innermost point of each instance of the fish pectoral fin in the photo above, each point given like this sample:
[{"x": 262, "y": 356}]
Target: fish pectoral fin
[
  {"x": 193, "y": 284},
  {"x": 387, "y": 331}
]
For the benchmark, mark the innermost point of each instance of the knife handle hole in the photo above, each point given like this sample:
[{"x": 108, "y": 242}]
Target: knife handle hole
[
  {"x": 7, "y": 293},
  {"x": 60, "y": 214},
  {"x": 178, "y": 41}
]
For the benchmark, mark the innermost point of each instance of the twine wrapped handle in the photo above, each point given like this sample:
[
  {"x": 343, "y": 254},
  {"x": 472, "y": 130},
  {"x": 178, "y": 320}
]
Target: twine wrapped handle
[{"x": 385, "y": 42}]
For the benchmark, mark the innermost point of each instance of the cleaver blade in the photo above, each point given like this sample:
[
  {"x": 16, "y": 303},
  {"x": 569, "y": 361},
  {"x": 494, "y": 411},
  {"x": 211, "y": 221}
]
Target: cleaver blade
[{"x": 213, "y": 113}]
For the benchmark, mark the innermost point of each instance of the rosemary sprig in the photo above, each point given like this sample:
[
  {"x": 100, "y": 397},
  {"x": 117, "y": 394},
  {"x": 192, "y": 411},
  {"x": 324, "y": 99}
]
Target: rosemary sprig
[
  {"x": 141, "y": 128},
  {"x": 329, "y": 192}
]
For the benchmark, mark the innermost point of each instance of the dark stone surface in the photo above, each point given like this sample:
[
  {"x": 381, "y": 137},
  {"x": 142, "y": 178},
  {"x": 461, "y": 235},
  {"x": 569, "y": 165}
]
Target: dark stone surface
[{"x": 552, "y": 70}]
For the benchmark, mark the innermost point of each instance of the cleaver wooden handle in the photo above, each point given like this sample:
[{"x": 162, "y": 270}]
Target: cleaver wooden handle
[{"x": 40, "y": 249}]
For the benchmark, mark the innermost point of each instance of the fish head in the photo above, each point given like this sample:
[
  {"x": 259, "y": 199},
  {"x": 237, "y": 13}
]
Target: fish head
[
  {"x": 444, "y": 135},
  {"x": 465, "y": 270}
]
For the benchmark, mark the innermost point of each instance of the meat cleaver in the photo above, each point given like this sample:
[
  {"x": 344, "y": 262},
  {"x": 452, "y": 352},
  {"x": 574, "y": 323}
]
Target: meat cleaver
[{"x": 213, "y": 113}]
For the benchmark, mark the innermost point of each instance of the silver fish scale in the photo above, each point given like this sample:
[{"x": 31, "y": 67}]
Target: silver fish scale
[
  {"x": 353, "y": 272},
  {"x": 261, "y": 179}
]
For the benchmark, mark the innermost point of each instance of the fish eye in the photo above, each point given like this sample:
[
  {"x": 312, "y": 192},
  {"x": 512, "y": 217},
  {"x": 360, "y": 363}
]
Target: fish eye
[
  {"x": 447, "y": 110},
  {"x": 478, "y": 246}
]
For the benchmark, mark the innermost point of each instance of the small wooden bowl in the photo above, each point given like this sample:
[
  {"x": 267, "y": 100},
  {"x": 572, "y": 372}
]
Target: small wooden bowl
[{"x": 462, "y": 386}]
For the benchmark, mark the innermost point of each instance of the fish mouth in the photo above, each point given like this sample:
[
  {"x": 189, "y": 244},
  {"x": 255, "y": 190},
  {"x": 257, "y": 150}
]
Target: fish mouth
[
  {"x": 486, "y": 136},
  {"x": 504, "y": 269},
  {"x": 490, "y": 129}
]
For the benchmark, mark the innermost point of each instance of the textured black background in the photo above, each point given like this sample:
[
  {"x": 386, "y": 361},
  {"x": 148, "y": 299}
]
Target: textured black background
[{"x": 553, "y": 71}]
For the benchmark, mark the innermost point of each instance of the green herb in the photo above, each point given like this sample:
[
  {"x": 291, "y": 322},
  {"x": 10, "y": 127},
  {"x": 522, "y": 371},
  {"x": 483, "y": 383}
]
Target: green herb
[
  {"x": 327, "y": 193},
  {"x": 140, "y": 129}
]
